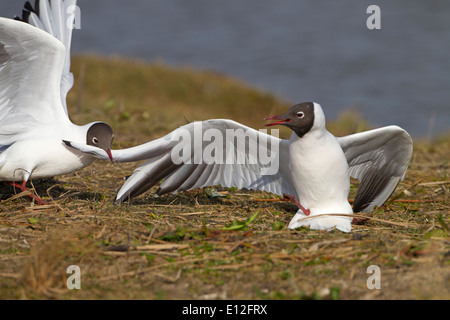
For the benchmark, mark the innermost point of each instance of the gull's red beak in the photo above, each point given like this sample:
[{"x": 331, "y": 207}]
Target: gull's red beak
[
  {"x": 282, "y": 120},
  {"x": 108, "y": 151}
]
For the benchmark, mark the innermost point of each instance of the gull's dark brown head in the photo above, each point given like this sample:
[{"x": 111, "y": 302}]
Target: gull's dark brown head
[
  {"x": 299, "y": 118},
  {"x": 101, "y": 135}
]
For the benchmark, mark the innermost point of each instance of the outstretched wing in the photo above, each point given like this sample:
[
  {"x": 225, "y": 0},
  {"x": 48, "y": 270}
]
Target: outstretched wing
[
  {"x": 378, "y": 159},
  {"x": 31, "y": 63},
  {"x": 56, "y": 17},
  {"x": 212, "y": 152}
]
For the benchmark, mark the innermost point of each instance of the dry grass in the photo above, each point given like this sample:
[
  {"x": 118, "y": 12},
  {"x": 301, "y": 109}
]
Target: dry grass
[{"x": 177, "y": 247}]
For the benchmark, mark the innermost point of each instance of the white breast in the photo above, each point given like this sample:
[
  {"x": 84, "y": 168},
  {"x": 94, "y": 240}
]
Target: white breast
[{"x": 320, "y": 173}]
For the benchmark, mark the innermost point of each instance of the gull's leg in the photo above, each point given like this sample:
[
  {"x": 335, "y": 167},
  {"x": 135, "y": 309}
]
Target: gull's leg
[
  {"x": 294, "y": 200},
  {"x": 23, "y": 187},
  {"x": 357, "y": 221}
]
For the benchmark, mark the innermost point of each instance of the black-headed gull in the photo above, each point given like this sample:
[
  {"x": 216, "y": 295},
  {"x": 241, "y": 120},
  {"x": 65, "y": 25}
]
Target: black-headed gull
[
  {"x": 313, "y": 167},
  {"x": 34, "y": 81}
]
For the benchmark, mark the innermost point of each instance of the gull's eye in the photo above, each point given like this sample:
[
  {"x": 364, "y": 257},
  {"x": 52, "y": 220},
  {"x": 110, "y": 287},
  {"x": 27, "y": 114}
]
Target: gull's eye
[
  {"x": 300, "y": 114},
  {"x": 94, "y": 140}
]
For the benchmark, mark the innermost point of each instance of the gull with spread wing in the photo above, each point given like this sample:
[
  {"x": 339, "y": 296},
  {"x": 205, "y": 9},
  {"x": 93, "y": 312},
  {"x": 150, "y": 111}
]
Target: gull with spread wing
[
  {"x": 34, "y": 80},
  {"x": 314, "y": 167}
]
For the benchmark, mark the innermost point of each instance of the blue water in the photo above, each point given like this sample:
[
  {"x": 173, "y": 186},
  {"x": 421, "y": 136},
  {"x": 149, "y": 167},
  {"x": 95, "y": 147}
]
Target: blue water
[{"x": 299, "y": 50}]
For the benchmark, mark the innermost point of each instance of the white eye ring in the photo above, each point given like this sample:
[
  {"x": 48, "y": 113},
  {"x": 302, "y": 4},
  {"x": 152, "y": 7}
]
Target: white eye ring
[
  {"x": 94, "y": 140},
  {"x": 300, "y": 114}
]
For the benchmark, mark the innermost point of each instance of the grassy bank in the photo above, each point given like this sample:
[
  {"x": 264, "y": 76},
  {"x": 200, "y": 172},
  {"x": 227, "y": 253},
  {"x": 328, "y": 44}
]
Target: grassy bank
[{"x": 193, "y": 246}]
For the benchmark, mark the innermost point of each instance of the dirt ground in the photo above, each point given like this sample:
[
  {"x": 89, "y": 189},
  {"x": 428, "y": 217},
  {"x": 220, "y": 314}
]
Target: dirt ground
[{"x": 193, "y": 246}]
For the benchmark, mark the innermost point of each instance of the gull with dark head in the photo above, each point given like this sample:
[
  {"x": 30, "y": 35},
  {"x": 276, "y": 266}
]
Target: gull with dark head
[
  {"x": 320, "y": 168},
  {"x": 313, "y": 166},
  {"x": 35, "y": 77}
]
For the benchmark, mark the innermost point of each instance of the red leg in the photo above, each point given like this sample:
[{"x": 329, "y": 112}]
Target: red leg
[
  {"x": 23, "y": 187},
  {"x": 294, "y": 200},
  {"x": 357, "y": 221}
]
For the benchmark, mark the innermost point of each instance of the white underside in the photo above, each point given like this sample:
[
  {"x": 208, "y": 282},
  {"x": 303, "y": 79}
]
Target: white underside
[
  {"x": 44, "y": 156},
  {"x": 321, "y": 222}
]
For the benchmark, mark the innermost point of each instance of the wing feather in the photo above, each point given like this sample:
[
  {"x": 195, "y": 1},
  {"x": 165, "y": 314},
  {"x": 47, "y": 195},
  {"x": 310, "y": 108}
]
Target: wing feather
[
  {"x": 378, "y": 159},
  {"x": 31, "y": 63},
  {"x": 56, "y": 17},
  {"x": 239, "y": 167}
]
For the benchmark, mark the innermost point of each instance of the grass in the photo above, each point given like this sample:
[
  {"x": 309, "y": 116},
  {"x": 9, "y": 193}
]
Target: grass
[{"x": 197, "y": 246}]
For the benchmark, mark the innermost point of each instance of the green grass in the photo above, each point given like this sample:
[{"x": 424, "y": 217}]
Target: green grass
[{"x": 192, "y": 246}]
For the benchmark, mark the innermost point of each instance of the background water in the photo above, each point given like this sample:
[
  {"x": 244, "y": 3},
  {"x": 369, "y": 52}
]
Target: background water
[{"x": 300, "y": 50}]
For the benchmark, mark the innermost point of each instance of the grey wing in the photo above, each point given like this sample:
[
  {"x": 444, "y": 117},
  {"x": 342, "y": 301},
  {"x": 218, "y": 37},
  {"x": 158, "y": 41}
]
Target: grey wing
[
  {"x": 378, "y": 159},
  {"x": 208, "y": 153},
  {"x": 56, "y": 17}
]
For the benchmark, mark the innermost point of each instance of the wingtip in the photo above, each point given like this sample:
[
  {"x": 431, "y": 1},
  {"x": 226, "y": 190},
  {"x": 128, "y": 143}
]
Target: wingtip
[
  {"x": 26, "y": 11},
  {"x": 121, "y": 199},
  {"x": 28, "y": 6}
]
